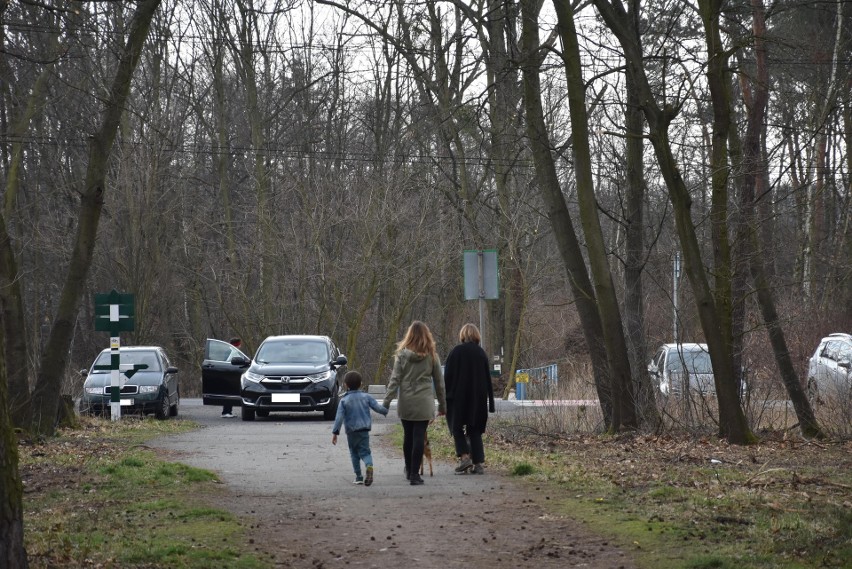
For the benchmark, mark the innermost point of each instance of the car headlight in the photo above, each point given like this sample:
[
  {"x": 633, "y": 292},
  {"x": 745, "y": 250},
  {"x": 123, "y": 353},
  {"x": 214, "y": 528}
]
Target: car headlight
[
  {"x": 95, "y": 390},
  {"x": 253, "y": 377},
  {"x": 149, "y": 388},
  {"x": 318, "y": 377}
]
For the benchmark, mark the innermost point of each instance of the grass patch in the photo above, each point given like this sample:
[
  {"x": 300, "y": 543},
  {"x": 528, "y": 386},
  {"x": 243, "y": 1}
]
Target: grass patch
[
  {"x": 700, "y": 503},
  {"x": 523, "y": 469},
  {"x": 98, "y": 497}
]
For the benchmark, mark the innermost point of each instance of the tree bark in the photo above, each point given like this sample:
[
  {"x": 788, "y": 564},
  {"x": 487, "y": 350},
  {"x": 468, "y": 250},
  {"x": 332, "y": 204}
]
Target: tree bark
[
  {"x": 11, "y": 294},
  {"x": 12, "y": 552},
  {"x": 732, "y": 422},
  {"x": 634, "y": 303},
  {"x": 753, "y": 170},
  {"x": 13, "y": 321},
  {"x": 621, "y": 382},
  {"x": 46, "y": 394},
  {"x": 557, "y": 210}
]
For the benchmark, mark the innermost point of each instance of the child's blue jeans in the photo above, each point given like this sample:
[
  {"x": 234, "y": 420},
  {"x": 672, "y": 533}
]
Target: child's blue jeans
[{"x": 359, "y": 449}]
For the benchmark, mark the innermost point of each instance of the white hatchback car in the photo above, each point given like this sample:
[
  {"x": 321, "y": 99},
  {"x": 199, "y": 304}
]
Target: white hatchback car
[
  {"x": 673, "y": 365},
  {"x": 830, "y": 368}
]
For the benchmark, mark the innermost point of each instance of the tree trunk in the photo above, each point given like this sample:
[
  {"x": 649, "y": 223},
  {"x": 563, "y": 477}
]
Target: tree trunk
[
  {"x": 12, "y": 552},
  {"x": 753, "y": 170},
  {"x": 812, "y": 270},
  {"x": 49, "y": 380},
  {"x": 732, "y": 422},
  {"x": 223, "y": 157},
  {"x": 13, "y": 322},
  {"x": 11, "y": 294},
  {"x": 729, "y": 270},
  {"x": 557, "y": 210},
  {"x": 245, "y": 53},
  {"x": 624, "y": 412},
  {"x": 634, "y": 302},
  {"x": 503, "y": 98}
]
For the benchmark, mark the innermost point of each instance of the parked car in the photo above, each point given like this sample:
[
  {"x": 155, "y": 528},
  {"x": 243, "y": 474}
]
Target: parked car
[
  {"x": 151, "y": 388},
  {"x": 674, "y": 364},
  {"x": 830, "y": 368},
  {"x": 220, "y": 376},
  {"x": 288, "y": 373}
]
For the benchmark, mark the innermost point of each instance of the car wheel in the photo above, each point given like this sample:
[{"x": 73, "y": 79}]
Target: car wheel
[
  {"x": 246, "y": 413},
  {"x": 813, "y": 391},
  {"x": 262, "y": 413},
  {"x": 173, "y": 410},
  {"x": 331, "y": 412},
  {"x": 162, "y": 412}
]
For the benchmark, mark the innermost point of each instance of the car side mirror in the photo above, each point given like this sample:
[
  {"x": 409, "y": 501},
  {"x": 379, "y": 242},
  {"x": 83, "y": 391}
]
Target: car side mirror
[
  {"x": 340, "y": 361},
  {"x": 240, "y": 361},
  {"x": 652, "y": 369},
  {"x": 84, "y": 372},
  {"x": 171, "y": 369}
]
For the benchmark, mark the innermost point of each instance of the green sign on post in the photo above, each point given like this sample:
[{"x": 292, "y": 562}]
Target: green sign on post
[{"x": 114, "y": 312}]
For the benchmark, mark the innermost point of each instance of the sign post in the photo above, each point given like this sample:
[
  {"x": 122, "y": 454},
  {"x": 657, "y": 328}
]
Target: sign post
[
  {"x": 481, "y": 279},
  {"x": 114, "y": 313}
]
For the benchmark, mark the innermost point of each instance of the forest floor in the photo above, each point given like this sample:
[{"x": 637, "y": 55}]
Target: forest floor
[{"x": 545, "y": 501}]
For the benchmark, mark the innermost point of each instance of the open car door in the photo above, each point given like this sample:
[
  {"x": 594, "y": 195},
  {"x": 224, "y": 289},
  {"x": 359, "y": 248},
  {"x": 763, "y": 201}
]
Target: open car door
[{"x": 220, "y": 379}]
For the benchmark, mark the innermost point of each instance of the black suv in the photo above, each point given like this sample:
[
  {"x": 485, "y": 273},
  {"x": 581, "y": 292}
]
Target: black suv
[{"x": 288, "y": 373}]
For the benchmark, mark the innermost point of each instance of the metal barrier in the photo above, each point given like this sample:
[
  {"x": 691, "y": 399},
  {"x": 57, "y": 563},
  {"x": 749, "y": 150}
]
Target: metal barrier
[{"x": 536, "y": 382}]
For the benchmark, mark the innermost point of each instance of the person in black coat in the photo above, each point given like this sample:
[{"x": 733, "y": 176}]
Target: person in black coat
[{"x": 470, "y": 397}]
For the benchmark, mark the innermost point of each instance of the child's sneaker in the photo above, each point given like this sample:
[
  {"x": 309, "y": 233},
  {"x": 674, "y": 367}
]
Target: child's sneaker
[
  {"x": 369, "y": 479},
  {"x": 359, "y": 480}
]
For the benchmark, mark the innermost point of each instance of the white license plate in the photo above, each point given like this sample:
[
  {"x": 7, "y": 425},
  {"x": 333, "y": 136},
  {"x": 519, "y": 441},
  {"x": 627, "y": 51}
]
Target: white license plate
[
  {"x": 285, "y": 397},
  {"x": 126, "y": 402}
]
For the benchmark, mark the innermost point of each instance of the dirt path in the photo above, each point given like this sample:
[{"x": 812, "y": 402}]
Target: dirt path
[{"x": 296, "y": 492}]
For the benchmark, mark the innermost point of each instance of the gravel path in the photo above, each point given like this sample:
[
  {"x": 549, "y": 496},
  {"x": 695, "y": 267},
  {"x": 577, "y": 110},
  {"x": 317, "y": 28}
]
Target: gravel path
[{"x": 294, "y": 488}]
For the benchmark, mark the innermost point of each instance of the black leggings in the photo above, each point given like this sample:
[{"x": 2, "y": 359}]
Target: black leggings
[{"x": 414, "y": 433}]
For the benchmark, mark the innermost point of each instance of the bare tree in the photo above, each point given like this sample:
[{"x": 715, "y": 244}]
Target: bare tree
[
  {"x": 45, "y": 397},
  {"x": 732, "y": 422},
  {"x": 12, "y": 552},
  {"x": 557, "y": 210},
  {"x": 621, "y": 382},
  {"x": 756, "y": 96}
]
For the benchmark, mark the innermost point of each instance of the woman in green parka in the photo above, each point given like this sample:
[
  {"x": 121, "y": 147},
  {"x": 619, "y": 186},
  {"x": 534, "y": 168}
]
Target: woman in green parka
[{"x": 416, "y": 381}]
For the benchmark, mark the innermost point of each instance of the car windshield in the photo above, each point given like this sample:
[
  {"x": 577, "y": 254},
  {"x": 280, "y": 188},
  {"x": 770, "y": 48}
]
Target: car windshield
[
  {"x": 694, "y": 361},
  {"x": 148, "y": 358},
  {"x": 292, "y": 352}
]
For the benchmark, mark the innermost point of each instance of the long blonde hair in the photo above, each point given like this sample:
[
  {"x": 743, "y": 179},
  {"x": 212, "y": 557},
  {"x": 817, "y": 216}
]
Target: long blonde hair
[{"x": 418, "y": 338}]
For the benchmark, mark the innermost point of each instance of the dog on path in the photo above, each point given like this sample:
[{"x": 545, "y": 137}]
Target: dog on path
[{"x": 427, "y": 454}]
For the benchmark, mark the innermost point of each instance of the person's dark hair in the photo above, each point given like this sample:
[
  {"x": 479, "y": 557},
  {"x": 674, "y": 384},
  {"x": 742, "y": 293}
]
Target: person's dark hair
[
  {"x": 235, "y": 341},
  {"x": 352, "y": 379}
]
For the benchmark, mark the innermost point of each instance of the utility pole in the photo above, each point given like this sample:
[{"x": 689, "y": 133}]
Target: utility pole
[{"x": 675, "y": 294}]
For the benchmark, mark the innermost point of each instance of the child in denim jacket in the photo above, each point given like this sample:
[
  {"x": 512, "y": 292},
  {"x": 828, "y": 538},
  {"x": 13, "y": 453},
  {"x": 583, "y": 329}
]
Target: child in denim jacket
[{"x": 354, "y": 412}]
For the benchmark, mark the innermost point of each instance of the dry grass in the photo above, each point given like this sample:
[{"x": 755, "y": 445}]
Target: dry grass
[{"x": 766, "y": 411}]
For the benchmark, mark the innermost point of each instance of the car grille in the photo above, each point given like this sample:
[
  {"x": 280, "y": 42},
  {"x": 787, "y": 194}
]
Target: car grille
[
  {"x": 125, "y": 390},
  {"x": 285, "y": 383}
]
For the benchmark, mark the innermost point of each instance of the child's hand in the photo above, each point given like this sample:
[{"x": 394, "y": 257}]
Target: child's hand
[{"x": 334, "y": 439}]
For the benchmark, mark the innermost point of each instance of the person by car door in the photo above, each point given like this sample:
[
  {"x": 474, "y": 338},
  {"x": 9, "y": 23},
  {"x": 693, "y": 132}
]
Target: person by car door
[{"x": 221, "y": 369}]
